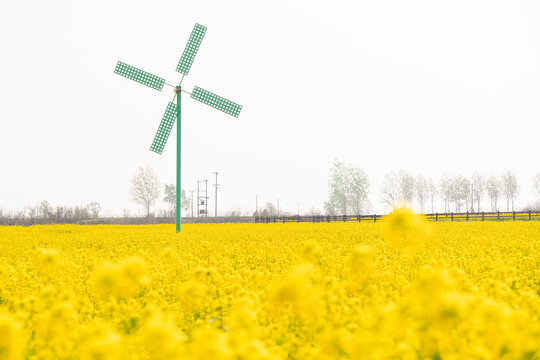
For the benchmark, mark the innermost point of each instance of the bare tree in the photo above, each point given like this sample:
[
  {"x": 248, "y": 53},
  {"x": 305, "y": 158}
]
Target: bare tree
[
  {"x": 493, "y": 187},
  {"x": 33, "y": 212},
  {"x": 338, "y": 186},
  {"x": 358, "y": 188},
  {"x": 432, "y": 192},
  {"x": 93, "y": 209},
  {"x": 510, "y": 188},
  {"x": 461, "y": 189},
  {"x": 330, "y": 208},
  {"x": 45, "y": 209},
  {"x": 145, "y": 188},
  {"x": 390, "y": 189},
  {"x": 536, "y": 183},
  {"x": 185, "y": 202},
  {"x": 478, "y": 188},
  {"x": 455, "y": 189},
  {"x": 234, "y": 213},
  {"x": 406, "y": 187},
  {"x": 269, "y": 210},
  {"x": 421, "y": 189},
  {"x": 170, "y": 197},
  {"x": 446, "y": 191}
]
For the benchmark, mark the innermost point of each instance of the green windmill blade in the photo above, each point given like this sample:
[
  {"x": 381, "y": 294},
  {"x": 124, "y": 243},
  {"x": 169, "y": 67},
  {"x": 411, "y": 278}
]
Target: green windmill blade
[
  {"x": 140, "y": 76},
  {"x": 164, "y": 129},
  {"x": 216, "y": 101},
  {"x": 191, "y": 49}
]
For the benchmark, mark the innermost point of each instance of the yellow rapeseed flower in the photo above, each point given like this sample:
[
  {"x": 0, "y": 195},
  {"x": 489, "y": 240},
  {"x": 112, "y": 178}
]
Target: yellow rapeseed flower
[
  {"x": 10, "y": 337},
  {"x": 45, "y": 259},
  {"x": 396, "y": 289}
]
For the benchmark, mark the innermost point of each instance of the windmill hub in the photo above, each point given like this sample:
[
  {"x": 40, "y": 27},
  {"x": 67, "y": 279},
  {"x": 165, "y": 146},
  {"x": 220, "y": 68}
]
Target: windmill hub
[{"x": 177, "y": 89}]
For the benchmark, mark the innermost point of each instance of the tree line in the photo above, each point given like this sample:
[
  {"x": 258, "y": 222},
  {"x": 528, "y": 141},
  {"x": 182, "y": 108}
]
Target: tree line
[
  {"x": 349, "y": 190},
  {"x": 44, "y": 212}
]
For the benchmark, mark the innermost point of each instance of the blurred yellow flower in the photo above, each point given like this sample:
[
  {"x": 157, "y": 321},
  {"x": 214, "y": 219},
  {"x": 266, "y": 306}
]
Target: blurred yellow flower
[
  {"x": 402, "y": 228},
  {"x": 396, "y": 289},
  {"x": 45, "y": 259},
  {"x": 10, "y": 337}
]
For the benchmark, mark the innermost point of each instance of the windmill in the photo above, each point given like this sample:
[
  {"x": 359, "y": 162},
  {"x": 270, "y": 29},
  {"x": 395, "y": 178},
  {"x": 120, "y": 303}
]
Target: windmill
[{"x": 173, "y": 111}]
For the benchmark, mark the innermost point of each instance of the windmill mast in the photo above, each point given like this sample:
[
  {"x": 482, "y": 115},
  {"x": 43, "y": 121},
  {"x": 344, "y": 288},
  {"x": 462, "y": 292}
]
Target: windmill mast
[{"x": 178, "y": 91}]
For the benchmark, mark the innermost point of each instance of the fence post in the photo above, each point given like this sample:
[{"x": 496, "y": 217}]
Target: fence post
[
  {"x": 344, "y": 218},
  {"x": 482, "y": 216},
  {"x": 467, "y": 216},
  {"x": 498, "y": 215},
  {"x": 436, "y": 217},
  {"x": 359, "y": 218},
  {"x": 452, "y": 216},
  {"x": 529, "y": 215},
  {"x": 374, "y": 217},
  {"x": 298, "y": 219},
  {"x": 284, "y": 219},
  {"x": 514, "y": 216}
]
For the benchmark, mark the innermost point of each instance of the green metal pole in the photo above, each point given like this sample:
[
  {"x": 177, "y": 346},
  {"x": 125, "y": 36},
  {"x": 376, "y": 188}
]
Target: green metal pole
[{"x": 178, "y": 159}]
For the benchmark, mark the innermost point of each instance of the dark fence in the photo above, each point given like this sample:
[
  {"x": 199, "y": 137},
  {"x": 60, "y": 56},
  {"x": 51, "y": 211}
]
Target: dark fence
[{"x": 481, "y": 216}]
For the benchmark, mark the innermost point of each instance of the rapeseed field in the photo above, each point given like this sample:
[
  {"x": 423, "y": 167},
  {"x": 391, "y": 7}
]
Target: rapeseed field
[{"x": 398, "y": 289}]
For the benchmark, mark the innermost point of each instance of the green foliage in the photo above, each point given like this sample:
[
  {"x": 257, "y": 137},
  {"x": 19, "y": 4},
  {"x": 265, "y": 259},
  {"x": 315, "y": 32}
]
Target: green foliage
[
  {"x": 170, "y": 197},
  {"x": 348, "y": 189}
]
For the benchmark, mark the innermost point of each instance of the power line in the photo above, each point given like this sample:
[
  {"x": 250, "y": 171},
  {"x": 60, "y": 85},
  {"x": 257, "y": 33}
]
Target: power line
[{"x": 257, "y": 204}]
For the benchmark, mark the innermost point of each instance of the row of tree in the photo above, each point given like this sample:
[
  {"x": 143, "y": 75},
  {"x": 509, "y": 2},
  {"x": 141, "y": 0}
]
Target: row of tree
[
  {"x": 349, "y": 191},
  {"x": 458, "y": 192},
  {"x": 145, "y": 191},
  {"x": 44, "y": 211}
]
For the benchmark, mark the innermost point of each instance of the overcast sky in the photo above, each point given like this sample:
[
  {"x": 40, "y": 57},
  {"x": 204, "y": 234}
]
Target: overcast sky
[{"x": 431, "y": 87}]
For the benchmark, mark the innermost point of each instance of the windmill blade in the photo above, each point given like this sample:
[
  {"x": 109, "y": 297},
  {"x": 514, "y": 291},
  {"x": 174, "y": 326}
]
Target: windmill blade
[
  {"x": 140, "y": 76},
  {"x": 216, "y": 101},
  {"x": 164, "y": 129},
  {"x": 191, "y": 49}
]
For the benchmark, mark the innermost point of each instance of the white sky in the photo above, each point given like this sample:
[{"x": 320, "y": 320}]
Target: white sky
[{"x": 427, "y": 86}]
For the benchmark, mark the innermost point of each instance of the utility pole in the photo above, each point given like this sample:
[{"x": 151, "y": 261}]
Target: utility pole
[
  {"x": 216, "y": 185},
  {"x": 277, "y": 206},
  {"x": 205, "y": 198},
  {"x": 192, "y": 191},
  {"x": 257, "y": 204},
  {"x": 202, "y": 200}
]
